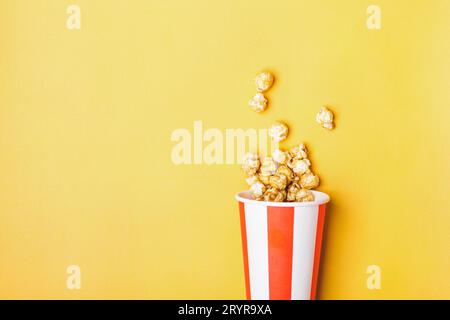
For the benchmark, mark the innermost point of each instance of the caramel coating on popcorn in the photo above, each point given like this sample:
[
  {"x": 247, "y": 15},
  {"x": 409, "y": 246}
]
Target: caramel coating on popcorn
[
  {"x": 298, "y": 152},
  {"x": 325, "y": 118},
  {"x": 251, "y": 163},
  {"x": 304, "y": 195},
  {"x": 257, "y": 190},
  {"x": 292, "y": 191},
  {"x": 280, "y": 157},
  {"x": 264, "y": 178},
  {"x": 278, "y": 181},
  {"x": 278, "y": 131},
  {"x": 286, "y": 176},
  {"x": 268, "y": 166},
  {"x": 252, "y": 179},
  {"x": 258, "y": 103},
  {"x": 300, "y": 166},
  {"x": 309, "y": 180},
  {"x": 284, "y": 170},
  {"x": 272, "y": 194},
  {"x": 263, "y": 81}
]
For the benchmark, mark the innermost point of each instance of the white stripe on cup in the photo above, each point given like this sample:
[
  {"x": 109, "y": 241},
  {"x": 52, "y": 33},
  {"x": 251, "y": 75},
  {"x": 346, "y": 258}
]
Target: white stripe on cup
[
  {"x": 305, "y": 225},
  {"x": 258, "y": 252}
]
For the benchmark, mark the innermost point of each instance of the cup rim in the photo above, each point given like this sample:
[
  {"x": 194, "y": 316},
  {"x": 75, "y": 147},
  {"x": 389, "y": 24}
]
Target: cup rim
[{"x": 319, "y": 198}]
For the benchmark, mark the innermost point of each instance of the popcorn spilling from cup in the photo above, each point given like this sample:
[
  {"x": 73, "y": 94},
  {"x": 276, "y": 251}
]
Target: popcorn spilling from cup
[{"x": 285, "y": 176}]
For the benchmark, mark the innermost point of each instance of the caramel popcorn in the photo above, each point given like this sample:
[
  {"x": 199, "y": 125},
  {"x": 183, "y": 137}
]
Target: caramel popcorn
[
  {"x": 280, "y": 157},
  {"x": 268, "y": 166},
  {"x": 264, "y": 178},
  {"x": 251, "y": 180},
  {"x": 258, "y": 103},
  {"x": 284, "y": 170},
  {"x": 309, "y": 180},
  {"x": 251, "y": 163},
  {"x": 292, "y": 191},
  {"x": 272, "y": 194},
  {"x": 300, "y": 166},
  {"x": 325, "y": 118},
  {"x": 257, "y": 190},
  {"x": 298, "y": 152},
  {"x": 304, "y": 195},
  {"x": 278, "y": 131},
  {"x": 278, "y": 181},
  {"x": 263, "y": 81}
]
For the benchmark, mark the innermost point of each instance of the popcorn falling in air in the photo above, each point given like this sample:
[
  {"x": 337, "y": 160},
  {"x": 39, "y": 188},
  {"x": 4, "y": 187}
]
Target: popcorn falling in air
[
  {"x": 286, "y": 176},
  {"x": 263, "y": 81},
  {"x": 325, "y": 118},
  {"x": 258, "y": 103},
  {"x": 278, "y": 131}
]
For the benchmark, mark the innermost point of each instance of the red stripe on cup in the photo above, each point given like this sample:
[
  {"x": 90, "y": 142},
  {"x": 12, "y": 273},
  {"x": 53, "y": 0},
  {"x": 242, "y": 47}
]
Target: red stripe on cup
[
  {"x": 317, "y": 250},
  {"x": 244, "y": 249},
  {"x": 280, "y": 224}
]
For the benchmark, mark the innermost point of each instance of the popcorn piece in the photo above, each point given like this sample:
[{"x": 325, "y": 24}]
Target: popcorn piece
[
  {"x": 258, "y": 103},
  {"x": 304, "y": 195},
  {"x": 268, "y": 166},
  {"x": 292, "y": 191},
  {"x": 263, "y": 81},
  {"x": 298, "y": 152},
  {"x": 272, "y": 194},
  {"x": 284, "y": 170},
  {"x": 257, "y": 190},
  {"x": 264, "y": 178},
  {"x": 251, "y": 163},
  {"x": 278, "y": 131},
  {"x": 251, "y": 180},
  {"x": 278, "y": 181},
  {"x": 309, "y": 180},
  {"x": 300, "y": 166},
  {"x": 325, "y": 118},
  {"x": 280, "y": 157}
]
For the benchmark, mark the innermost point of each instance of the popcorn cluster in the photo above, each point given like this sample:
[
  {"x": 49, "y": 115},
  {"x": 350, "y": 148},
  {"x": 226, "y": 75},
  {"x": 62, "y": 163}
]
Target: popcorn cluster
[
  {"x": 263, "y": 82},
  {"x": 286, "y": 176}
]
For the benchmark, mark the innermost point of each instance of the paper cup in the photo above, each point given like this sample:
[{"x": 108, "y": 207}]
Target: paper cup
[{"x": 281, "y": 243}]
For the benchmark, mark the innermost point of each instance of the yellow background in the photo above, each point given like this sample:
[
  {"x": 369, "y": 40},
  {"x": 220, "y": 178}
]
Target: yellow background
[{"x": 86, "y": 116}]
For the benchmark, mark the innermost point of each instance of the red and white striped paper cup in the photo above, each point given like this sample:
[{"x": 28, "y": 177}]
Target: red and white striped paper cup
[{"x": 281, "y": 243}]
